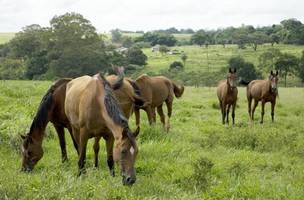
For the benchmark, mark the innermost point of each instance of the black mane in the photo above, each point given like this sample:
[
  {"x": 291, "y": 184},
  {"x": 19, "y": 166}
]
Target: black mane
[{"x": 41, "y": 116}]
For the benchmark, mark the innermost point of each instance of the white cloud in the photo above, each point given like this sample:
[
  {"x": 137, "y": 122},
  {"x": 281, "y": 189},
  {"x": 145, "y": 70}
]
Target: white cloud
[{"x": 149, "y": 15}]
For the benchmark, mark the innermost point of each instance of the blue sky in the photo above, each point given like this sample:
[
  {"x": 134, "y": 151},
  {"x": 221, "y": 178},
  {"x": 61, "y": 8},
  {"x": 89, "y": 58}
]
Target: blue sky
[{"x": 150, "y": 15}]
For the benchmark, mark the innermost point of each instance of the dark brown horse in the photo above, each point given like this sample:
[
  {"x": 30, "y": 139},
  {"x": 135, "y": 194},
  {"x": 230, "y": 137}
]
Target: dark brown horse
[
  {"x": 155, "y": 91},
  {"x": 51, "y": 109},
  {"x": 264, "y": 91},
  {"x": 227, "y": 95},
  {"x": 92, "y": 109}
]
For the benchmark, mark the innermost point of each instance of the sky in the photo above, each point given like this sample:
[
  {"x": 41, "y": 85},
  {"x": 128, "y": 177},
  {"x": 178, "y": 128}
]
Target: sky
[{"x": 151, "y": 15}]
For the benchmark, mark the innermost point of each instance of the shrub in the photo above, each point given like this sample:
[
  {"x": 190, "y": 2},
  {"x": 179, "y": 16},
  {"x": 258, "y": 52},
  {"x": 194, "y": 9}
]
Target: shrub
[{"x": 176, "y": 65}]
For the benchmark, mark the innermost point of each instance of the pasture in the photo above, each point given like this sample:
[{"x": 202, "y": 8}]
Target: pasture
[{"x": 198, "y": 159}]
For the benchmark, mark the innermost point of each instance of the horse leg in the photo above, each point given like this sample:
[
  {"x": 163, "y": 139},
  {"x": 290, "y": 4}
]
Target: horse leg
[
  {"x": 110, "y": 161},
  {"x": 227, "y": 115},
  {"x": 137, "y": 116},
  {"x": 83, "y": 140},
  {"x": 149, "y": 114},
  {"x": 223, "y": 112},
  {"x": 96, "y": 150},
  {"x": 73, "y": 139},
  {"x": 153, "y": 115},
  {"x": 60, "y": 133},
  {"x": 169, "y": 108},
  {"x": 263, "y": 111},
  {"x": 161, "y": 114},
  {"x": 249, "y": 106},
  {"x": 233, "y": 112},
  {"x": 253, "y": 109},
  {"x": 272, "y": 110}
]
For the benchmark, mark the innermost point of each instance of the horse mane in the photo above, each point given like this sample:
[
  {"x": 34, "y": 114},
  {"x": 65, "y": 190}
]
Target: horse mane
[
  {"x": 135, "y": 87},
  {"x": 46, "y": 102}
]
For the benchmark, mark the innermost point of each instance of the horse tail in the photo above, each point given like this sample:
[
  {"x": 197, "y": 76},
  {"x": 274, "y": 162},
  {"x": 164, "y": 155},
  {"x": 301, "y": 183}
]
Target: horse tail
[
  {"x": 178, "y": 91},
  {"x": 41, "y": 117},
  {"x": 138, "y": 100},
  {"x": 243, "y": 82}
]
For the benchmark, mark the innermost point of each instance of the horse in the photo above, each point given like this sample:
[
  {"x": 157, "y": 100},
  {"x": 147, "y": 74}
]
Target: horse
[
  {"x": 51, "y": 109},
  {"x": 227, "y": 95},
  {"x": 155, "y": 91},
  {"x": 264, "y": 91},
  {"x": 91, "y": 109}
]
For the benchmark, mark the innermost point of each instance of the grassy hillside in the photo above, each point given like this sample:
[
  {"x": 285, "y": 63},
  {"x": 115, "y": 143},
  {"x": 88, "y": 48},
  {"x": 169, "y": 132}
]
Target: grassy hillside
[
  {"x": 199, "y": 159},
  {"x": 5, "y": 37},
  {"x": 217, "y": 56}
]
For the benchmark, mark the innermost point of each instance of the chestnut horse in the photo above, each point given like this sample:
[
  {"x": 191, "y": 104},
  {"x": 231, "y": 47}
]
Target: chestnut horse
[
  {"x": 264, "y": 91},
  {"x": 227, "y": 95},
  {"x": 155, "y": 91},
  {"x": 92, "y": 109},
  {"x": 51, "y": 109}
]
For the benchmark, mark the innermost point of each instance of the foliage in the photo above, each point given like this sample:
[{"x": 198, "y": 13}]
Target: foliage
[
  {"x": 136, "y": 56},
  {"x": 245, "y": 70},
  {"x": 176, "y": 65},
  {"x": 199, "y": 38},
  {"x": 300, "y": 68},
  {"x": 268, "y": 59},
  {"x": 163, "y": 49},
  {"x": 157, "y": 38},
  {"x": 116, "y": 35},
  {"x": 184, "y": 58},
  {"x": 11, "y": 69},
  {"x": 286, "y": 64}
]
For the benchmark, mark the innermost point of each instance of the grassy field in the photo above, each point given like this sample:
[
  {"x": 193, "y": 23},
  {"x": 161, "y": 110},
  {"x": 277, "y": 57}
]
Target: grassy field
[
  {"x": 199, "y": 159},
  {"x": 5, "y": 37},
  {"x": 217, "y": 56}
]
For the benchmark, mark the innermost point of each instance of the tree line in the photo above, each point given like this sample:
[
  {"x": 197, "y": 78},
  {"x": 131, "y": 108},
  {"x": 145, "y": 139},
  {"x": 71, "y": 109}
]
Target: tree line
[{"x": 69, "y": 47}]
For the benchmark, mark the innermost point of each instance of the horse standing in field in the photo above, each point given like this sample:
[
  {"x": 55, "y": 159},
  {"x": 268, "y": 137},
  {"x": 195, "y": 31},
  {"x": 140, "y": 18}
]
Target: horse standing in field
[
  {"x": 155, "y": 91},
  {"x": 264, "y": 91},
  {"x": 227, "y": 95},
  {"x": 92, "y": 109},
  {"x": 51, "y": 109}
]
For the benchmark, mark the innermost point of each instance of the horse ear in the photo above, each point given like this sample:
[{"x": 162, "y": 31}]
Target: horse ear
[
  {"x": 234, "y": 70},
  {"x": 230, "y": 71},
  {"x": 271, "y": 72},
  {"x": 136, "y": 132},
  {"x": 277, "y": 72}
]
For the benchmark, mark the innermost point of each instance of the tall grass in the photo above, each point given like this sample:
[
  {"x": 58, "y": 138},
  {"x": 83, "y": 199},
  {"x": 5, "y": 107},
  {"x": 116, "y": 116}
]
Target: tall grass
[{"x": 198, "y": 159}]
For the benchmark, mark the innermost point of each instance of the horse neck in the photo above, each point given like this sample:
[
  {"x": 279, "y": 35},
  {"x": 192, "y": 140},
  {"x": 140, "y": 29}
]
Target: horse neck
[{"x": 38, "y": 129}]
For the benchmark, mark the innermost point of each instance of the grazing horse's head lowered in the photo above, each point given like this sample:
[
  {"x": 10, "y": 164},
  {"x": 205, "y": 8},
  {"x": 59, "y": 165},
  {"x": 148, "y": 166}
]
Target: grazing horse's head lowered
[
  {"x": 32, "y": 152},
  {"x": 273, "y": 78},
  {"x": 232, "y": 78},
  {"x": 125, "y": 153}
]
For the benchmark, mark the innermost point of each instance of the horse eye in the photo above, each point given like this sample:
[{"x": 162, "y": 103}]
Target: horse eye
[
  {"x": 29, "y": 153},
  {"x": 124, "y": 151}
]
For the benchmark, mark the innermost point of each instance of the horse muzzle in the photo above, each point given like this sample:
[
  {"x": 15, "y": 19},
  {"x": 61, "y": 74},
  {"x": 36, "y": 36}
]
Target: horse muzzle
[{"x": 128, "y": 180}]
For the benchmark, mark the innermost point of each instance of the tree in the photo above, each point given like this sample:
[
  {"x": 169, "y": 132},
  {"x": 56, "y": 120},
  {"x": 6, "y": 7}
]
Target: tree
[
  {"x": 11, "y": 69},
  {"x": 268, "y": 59},
  {"x": 300, "y": 68},
  {"x": 116, "y": 35},
  {"x": 199, "y": 38},
  {"x": 256, "y": 39},
  {"x": 176, "y": 65},
  {"x": 286, "y": 64},
  {"x": 157, "y": 38},
  {"x": 75, "y": 47},
  {"x": 127, "y": 41},
  {"x": 163, "y": 49},
  {"x": 136, "y": 56},
  {"x": 245, "y": 70},
  {"x": 184, "y": 58}
]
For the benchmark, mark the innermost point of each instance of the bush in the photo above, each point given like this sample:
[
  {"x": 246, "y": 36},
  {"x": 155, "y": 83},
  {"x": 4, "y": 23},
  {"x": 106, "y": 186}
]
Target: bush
[
  {"x": 136, "y": 56},
  {"x": 176, "y": 65}
]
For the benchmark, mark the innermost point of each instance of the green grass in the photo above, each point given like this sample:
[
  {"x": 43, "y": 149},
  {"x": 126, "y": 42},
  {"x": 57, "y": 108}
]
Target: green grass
[
  {"x": 217, "y": 56},
  {"x": 199, "y": 159},
  {"x": 5, "y": 37}
]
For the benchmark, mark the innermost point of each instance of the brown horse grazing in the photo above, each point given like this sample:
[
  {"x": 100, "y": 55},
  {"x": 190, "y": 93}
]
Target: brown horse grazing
[
  {"x": 155, "y": 91},
  {"x": 264, "y": 91},
  {"x": 51, "y": 109},
  {"x": 127, "y": 97},
  {"x": 227, "y": 95},
  {"x": 91, "y": 110}
]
